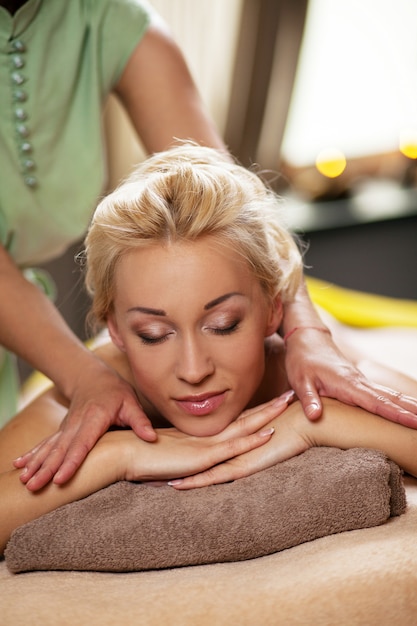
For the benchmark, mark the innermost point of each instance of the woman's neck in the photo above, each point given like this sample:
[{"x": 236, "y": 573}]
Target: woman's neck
[{"x": 274, "y": 381}]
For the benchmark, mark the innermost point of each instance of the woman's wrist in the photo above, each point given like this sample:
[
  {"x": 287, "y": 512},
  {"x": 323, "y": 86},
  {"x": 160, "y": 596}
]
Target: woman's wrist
[
  {"x": 111, "y": 456},
  {"x": 340, "y": 426},
  {"x": 313, "y": 433}
]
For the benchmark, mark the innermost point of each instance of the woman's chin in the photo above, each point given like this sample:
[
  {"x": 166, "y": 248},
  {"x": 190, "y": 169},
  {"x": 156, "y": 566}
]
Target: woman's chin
[{"x": 201, "y": 429}]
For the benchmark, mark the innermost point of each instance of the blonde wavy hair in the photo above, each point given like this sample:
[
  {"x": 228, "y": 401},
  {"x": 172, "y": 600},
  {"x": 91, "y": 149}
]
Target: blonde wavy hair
[{"x": 182, "y": 194}]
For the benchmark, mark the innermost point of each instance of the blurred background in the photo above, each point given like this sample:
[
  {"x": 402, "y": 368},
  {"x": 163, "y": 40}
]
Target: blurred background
[{"x": 322, "y": 95}]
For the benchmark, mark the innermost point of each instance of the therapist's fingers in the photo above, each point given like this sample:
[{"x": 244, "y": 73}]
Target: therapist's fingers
[
  {"x": 71, "y": 455},
  {"x": 385, "y": 402},
  {"x": 65, "y": 450},
  {"x": 58, "y": 457},
  {"x": 41, "y": 464},
  {"x": 310, "y": 400}
]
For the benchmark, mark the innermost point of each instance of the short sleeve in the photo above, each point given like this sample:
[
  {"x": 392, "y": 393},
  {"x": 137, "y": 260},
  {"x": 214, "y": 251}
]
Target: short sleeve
[{"x": 120, "y": 25}]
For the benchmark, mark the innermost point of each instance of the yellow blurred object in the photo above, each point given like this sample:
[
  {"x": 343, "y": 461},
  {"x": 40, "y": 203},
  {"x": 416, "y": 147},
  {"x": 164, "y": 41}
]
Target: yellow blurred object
[
  {"x": 331, "y": 163},
  {"x": 408, "y": 143},
  {"x": 358, "y": 308}
]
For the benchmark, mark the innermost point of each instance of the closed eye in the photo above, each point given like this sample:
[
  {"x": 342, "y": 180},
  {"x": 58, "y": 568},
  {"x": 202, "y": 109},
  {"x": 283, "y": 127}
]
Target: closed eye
[
  {"x": 228, "y": 330},
  {"x": 149, "y": 340}
]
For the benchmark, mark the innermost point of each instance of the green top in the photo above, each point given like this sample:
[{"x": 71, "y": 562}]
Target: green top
[{"x": 59, "y": 59}]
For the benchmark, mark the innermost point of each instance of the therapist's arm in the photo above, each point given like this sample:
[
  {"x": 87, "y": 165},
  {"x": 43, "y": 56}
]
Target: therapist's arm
[
  {"x": 316, "y": 368},
  {"x": 32, "y": 327}
]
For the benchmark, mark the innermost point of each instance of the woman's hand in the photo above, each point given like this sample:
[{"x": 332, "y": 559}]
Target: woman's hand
[
  {"x": 340, "y": 426},
  {"x": 176, "y": 454},
  {"x": 316, "y": 367},
  {"x": 293, "y": 434},
  {"x": 101, "y": 399}
]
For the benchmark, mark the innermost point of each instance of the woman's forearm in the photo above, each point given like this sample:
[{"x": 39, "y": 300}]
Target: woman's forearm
[
  {"x": 118, "y": 455},
  {"x": 343, "y": 426},
  {"x": 20, "y": 506}
]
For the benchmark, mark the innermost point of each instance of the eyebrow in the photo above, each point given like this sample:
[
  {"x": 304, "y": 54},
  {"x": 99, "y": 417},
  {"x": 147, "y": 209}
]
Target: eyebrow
[
  {"x": 147, "y": 310},
  {"x": 207, "y": 307},
  {"x": 221, "y": 299}
]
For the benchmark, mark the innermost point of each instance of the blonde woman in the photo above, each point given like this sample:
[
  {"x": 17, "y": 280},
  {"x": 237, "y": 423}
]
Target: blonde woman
[{"x": 189, "y": 266}]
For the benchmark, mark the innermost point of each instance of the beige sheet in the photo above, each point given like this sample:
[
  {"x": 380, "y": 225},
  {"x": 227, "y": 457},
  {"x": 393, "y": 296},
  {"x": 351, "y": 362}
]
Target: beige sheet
[{"x": 362, "y": 577}]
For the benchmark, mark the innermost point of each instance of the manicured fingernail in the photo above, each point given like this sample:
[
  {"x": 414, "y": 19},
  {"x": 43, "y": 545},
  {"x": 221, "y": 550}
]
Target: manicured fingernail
[
  {"x": 312, "y": 409},
  {"x": 266, "y": 433},
  {"x": 174, "y": 483},
  {"x": 284, "y": 398},
  {"x": 288, "y": 395}
]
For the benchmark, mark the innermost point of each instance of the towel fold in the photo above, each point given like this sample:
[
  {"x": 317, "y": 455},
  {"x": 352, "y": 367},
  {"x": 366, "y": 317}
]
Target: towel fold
[{"x": 133, "y": 527}]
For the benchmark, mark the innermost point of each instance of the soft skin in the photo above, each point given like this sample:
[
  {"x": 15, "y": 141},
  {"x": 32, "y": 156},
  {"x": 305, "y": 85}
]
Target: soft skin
[
  {"x": 203, "y": 350},
  {"x": 159, "y": 95},
  {"x": 119, "y": 455},
  {"x": 185, "y": 338},
  {"x": 260, "y": 438}
]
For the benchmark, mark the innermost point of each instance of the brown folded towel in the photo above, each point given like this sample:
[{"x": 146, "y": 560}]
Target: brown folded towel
[{"x": 132, "y": 527}]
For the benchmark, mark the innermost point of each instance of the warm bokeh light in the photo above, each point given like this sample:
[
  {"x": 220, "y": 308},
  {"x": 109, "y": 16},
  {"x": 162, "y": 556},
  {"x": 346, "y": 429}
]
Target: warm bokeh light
[
  {"x": 408, "y": 143},
  {"x": 331, "y": 162}
]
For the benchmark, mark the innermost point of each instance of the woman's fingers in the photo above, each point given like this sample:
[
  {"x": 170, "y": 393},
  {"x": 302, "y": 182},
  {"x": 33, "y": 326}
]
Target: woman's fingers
[
  {"x": 215, "y": 461},
  {"x": 252, "y": 430},
  {"x": 223, "y": 473},
  {"x": 254, "y": 419}
]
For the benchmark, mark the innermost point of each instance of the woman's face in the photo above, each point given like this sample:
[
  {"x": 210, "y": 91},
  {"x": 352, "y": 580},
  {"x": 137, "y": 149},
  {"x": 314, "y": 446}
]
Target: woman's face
[{"x": 192, "y": 320}]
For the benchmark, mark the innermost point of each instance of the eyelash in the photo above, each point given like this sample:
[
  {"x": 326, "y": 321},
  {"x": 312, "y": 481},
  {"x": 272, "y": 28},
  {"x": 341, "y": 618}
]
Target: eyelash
[
  {"x": 149, "y": 341},
  {"x": 226, "y": 331}
]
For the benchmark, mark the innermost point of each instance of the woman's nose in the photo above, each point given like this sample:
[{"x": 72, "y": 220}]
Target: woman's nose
[{"x": 194, "y": 362}]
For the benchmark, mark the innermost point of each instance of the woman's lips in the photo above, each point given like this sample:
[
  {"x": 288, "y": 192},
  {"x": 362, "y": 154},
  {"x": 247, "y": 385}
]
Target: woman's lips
[{"x": 203, "y": 405}]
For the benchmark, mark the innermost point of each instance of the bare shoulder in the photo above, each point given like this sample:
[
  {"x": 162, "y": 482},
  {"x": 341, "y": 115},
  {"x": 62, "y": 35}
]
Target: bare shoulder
[{"x": 114, "y": 358}]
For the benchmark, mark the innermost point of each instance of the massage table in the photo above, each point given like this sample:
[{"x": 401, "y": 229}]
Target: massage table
[{"x": 366, "y": 577}]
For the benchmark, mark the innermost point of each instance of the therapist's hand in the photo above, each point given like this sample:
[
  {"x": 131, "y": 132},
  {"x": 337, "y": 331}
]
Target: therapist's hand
[
  {"x": 100, "y": 400},
  {"x": 316, "y": 367}
]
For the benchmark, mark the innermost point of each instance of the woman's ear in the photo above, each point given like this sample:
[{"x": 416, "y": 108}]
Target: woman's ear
[
  {"x": 275, "y": 316},
  {"x": 114, "y": 332}
]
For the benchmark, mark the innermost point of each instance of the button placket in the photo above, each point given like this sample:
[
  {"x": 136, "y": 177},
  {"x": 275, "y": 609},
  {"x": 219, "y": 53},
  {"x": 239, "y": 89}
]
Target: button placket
[{"x": 19, "y": 97}]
